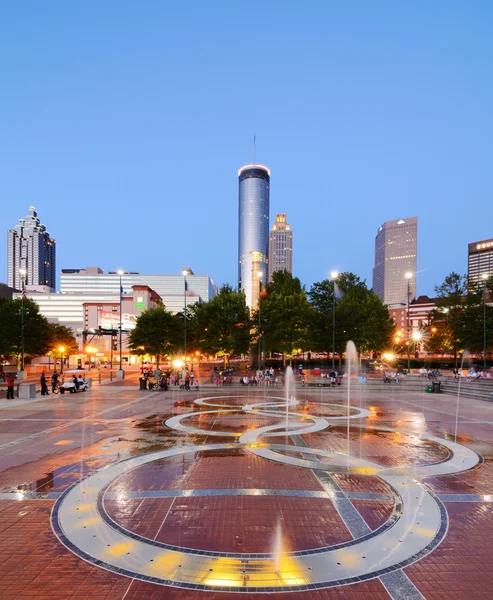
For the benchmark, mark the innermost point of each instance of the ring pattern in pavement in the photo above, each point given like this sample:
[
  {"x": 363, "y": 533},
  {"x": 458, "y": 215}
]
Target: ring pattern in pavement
[{"x": 417, "y": 525}]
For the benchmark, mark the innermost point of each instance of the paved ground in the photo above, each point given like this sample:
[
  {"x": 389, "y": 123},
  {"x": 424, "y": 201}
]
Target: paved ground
[{"x": 233, "y": 501}]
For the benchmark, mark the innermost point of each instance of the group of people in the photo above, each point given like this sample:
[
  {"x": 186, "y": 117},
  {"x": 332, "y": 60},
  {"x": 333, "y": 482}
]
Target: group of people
[
  {"x": 430, "y": 373},
  {"x": 391, "y": 377}
]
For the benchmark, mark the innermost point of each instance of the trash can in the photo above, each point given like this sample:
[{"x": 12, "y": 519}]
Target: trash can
[
  {"x": 436, "y": 387},
  {"x": 142, "y": 383},
  {"x": 429, "y": 389}
]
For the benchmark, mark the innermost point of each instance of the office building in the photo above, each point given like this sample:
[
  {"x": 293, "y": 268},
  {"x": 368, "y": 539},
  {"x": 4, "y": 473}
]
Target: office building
[
  {"x": 396, "y": 255},
  {"x": 253, "y": 229},
  {"x": 171, "y": 288},
  {"x": 85, "y": 314},
  {"x": 280, "y": 246},
  {"x": 480, "y": 260},
  {"x": 31, "y": 248}
]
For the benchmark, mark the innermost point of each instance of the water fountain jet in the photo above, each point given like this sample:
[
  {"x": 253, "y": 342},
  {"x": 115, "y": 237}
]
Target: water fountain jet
[
  {"x": 278, "y": 547},
  {"x": 351, "y": 371}
]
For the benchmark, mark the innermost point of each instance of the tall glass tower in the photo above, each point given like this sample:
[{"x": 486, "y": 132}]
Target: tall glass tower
[
  {"x": 396, "y": 249},
  {"x": 30, "y": 247},
  {"x": 253, "y": 230}
]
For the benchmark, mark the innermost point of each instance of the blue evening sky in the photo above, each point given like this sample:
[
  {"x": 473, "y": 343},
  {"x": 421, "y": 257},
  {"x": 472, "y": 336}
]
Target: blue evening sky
[{"x": 124, "y": 124}]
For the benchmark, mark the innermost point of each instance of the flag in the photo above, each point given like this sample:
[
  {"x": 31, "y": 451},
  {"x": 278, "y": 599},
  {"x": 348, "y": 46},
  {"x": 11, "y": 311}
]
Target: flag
[
  {"x": 486, "y": 295},
  {"x": 337, "y": 292},
  {"x": 23, "y": 292},
  {"x": 186, "y": 285}
]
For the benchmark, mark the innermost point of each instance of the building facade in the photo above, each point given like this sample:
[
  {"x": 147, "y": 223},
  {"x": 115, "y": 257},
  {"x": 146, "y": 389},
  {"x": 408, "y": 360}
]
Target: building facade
[
  {"x": 396, "y": 249},
  {"x": 31, "y": 248},
  {"x": 85, "y": 314},
  {"x": 253, "y": 229},
  {"x": 280, "y": 246},
  {"x": 480, "y": 261},
  {"x": 171, "y": 288}
]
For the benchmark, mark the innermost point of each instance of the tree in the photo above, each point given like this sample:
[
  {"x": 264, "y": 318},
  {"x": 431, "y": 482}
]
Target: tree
[
  {"x": 477, "y": 318},
  {"x": 447, "y": 319},
  {"x": 62, "y": 337},
  {"x": 285, "y": 315},
  {"x": 222, "y": 325},
  {"x": 158, "y": 332},
  {"x": 37, "y": 332},
  {"x": 360, "y": 316}
]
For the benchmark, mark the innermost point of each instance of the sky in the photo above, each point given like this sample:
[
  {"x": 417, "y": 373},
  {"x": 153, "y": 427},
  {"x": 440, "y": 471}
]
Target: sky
[{"x": 125, "y": 123}]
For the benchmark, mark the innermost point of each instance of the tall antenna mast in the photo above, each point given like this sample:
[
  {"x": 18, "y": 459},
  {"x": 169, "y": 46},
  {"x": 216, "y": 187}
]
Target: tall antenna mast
[{"x": 254, "y": 149}]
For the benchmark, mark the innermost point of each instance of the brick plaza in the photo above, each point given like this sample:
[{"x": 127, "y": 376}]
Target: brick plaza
[{"x": 119, "y": 494}]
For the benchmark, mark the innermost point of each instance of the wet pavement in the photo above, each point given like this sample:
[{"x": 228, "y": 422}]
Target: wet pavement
[{"x": 230, "y": 500}]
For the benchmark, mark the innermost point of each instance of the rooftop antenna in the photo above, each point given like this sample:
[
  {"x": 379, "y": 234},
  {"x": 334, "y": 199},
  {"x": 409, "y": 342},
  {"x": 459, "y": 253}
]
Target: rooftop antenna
[{"x": 254, "y": 149}]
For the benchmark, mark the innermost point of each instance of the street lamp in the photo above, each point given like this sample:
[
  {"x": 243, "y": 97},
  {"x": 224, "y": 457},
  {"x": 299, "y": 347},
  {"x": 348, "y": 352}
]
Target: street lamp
[
  {"x": 408, "y": 277},
  {"x": 120, "y": 373},
  {"x": 185, "y": 272},
  {"x": 259, "y": 275},
  {"x": 61, "y": 349},
  {"x": 22, "y": 273},
  {"x": 484, "y": 277},
  {"x": 334, "y": 275}
]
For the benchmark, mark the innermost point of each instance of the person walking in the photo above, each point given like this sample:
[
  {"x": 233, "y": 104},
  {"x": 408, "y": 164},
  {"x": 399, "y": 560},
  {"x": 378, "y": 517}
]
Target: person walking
[
  {"x": 44, "y": 387},
  {"x": 10, "y": 386}
]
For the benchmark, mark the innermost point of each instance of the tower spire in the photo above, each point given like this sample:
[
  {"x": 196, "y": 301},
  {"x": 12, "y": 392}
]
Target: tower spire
[{"x": 254, "y": 149}]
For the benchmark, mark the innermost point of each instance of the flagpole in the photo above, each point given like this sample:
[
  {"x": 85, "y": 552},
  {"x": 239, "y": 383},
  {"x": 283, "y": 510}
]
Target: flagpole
[
  {"x": 22, "y": 274},
  {"x": 186, "y": 271},
  {"x": 121, "y": 372}
]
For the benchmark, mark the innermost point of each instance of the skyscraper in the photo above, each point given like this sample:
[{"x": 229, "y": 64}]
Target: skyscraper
[
  {"x": 253, "y": 230},
  {"x": 31, "y": 248},
  {"x": 480, "y": 260},
  {"x": 280, "y": 246},
  {"x": 395, "y": 255}
]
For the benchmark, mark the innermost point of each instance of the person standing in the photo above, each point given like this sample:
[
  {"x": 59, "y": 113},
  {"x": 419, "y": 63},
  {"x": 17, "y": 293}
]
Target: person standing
[
  {"x": 10, "y": 386},
  {"x": 44, "y": 387}
]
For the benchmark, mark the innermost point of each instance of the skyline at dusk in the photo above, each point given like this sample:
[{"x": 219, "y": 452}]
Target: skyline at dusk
[{"x": 126, "y": 128}]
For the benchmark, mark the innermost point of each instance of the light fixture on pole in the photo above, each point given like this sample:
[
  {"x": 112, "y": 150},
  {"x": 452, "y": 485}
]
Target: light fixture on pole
[
  {"x": 259, "y": 275},
  {"x": 408, "y": 277},
  {"x": 61, "y": 349},
  {"x": 334, "y": 275},
  {"x": 120, "y": 373},
  {"x": 485, "y": 278},
  {"x": 186, "y": 271},
  {"x": 22, "y": 273}
]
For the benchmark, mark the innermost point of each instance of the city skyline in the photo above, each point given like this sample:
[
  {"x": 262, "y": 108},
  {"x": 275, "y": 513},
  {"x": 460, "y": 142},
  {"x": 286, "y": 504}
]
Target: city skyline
[{"x": 123, "y": 141}]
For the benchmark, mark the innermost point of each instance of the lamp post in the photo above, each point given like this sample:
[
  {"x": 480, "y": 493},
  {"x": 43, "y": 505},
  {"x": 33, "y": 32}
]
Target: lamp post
[
  {"x": 484, "y": 277},
  {"x": 185, "y": 272},
  {"x": 259, "y": 275},
  {"x": 408, "y": 277},
  {"x": 61, "y": 350},
  {"x": 22, "y": 273},
  {"x": 120, "y": 373},
  {"x": 334, "y": 275}
]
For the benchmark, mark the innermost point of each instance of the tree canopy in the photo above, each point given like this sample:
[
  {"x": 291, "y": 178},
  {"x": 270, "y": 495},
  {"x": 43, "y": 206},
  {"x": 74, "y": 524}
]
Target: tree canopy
[
  {"x": 37, "y": 332},
  {"x": 284, "y": 315},
  {"x": 222, "y": 325},
  {"x": 360, "y": 316},
  {"x": 158, "y": 332}
]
